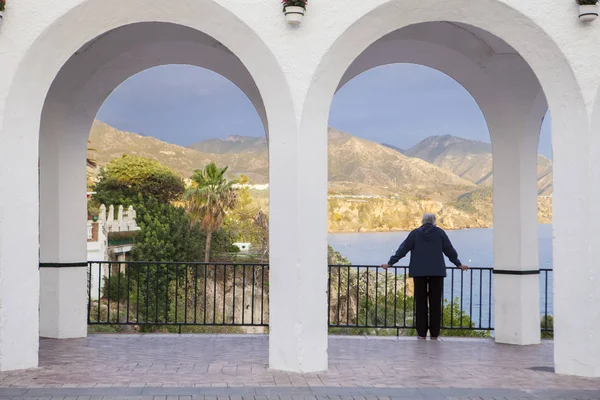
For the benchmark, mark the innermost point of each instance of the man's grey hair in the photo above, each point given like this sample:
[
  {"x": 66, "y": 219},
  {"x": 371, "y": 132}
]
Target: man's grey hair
[{"x": 428, "y": 218}]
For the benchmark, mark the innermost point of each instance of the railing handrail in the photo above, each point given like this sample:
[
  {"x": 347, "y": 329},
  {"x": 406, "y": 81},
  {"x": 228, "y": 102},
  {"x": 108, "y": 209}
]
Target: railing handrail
[
  {"x": 406, "y": 267},
  {"x": 228, "y": 264},
  {"x": 220, "y": 263}
]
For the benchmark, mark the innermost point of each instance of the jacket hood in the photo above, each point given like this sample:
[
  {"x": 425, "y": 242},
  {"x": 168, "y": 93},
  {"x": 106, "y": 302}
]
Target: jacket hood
[{"x": 428, "y": 231}]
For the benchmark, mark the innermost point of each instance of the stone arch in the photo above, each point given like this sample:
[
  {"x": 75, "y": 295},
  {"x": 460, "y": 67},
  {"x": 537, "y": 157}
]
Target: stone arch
[
  {"x": 73, "y": 34},
  {"x": 548, "y": 77}
]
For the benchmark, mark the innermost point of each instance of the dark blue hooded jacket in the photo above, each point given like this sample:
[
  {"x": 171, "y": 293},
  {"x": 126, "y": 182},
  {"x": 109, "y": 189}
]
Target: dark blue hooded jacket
[{"x": 427, "y": 246}]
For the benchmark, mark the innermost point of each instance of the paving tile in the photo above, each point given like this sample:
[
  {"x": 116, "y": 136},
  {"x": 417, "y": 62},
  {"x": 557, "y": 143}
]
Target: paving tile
[{"x": 236, "y": 368}]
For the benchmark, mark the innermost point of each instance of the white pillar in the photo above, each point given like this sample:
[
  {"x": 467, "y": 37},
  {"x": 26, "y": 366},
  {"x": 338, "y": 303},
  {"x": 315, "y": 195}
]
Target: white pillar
[
  {"x": 298, "y": 251},
  {"x": 514, "y": 111},
  {"x": 576, "y": 255},
  {"x": 516, "y": 266},
  {"x": 19, "y": 276},
  {"x": 63, "y": 229}
]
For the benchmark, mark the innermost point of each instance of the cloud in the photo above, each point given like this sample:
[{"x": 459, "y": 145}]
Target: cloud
[
  {"x": 181, "y": 104},
  {"x": 399, "y": 104}
]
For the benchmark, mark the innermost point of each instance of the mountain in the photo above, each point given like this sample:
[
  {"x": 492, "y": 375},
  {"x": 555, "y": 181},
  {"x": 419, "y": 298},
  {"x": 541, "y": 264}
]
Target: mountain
[
  {"x": 111, "y": 143},
  {"x": 356, "y": 166},
  {"x": 359, "y": 165},
  {"x": 233, "y": 144},
  {"x": 471, "y": 160}
]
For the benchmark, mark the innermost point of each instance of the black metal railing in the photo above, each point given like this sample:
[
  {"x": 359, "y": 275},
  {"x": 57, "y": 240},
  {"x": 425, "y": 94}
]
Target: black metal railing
[
  {"x": 178, "y": 294},
  {"x": 363, "y": 297},
  {"x": 360, "y": 297}
]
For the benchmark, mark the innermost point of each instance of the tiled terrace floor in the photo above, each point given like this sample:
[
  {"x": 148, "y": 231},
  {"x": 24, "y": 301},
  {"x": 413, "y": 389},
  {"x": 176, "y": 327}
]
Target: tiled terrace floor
[{"x": 215, "y": 367}]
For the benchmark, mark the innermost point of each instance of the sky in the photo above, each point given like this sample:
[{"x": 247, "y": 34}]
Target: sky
[{"x": 398, "y": 104}]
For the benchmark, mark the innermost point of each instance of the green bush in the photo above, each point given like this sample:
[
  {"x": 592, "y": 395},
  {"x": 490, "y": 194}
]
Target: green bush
[
  {"x": 116, "y": 288},
  {"x": 453, "y": 316},
  {"x": 547, "y": 326}
]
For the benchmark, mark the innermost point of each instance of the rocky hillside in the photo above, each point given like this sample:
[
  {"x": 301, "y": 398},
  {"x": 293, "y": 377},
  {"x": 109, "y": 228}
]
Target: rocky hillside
[
  {"x": 471, "y": 210},
  {"x": 471, "y": 160},
  {"x": 110, "y": 143},
  {"x": 356, "y": 165},
  {"x": 233, "y": 144},
  {"x": 361, "y": 166}
]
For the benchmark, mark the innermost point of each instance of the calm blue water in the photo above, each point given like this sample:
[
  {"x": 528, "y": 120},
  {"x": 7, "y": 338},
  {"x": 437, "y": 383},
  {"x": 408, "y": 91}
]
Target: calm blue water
[{"x": 475, "y": 249}]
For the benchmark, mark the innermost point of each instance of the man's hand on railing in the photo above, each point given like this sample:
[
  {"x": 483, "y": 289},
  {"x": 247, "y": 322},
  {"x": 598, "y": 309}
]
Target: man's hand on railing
[
  {"x": 385, "y": 266},
  {"x": 463, "y": 267}
]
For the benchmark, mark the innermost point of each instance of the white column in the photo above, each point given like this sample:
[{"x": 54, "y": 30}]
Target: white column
[
  {"x": 63, "y": 229},
  {"x": 298, "y": 251},
  {"x": 516, "y": 266},
  {"x": 576, "y": 255},
  {"x": 514, "y": 109},
  {"x": 19, "y": 277}
]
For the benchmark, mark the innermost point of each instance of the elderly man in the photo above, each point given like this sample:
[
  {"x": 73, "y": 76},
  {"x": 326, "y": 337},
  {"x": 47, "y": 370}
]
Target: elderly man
[{"x": 427, "y": 246}]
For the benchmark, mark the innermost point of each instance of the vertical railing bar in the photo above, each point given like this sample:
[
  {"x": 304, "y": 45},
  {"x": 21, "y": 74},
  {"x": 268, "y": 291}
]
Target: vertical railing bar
[
  {"x": 253, "y": 285},
  {"x": 385, "y": 323},
  {"x": 205, "y": 295},
  {"x": 167, "y": 272},
  {"x": 176, "y": 294},
  {"x": 367, "y": 299},
  {"x": 480, "y": 298},
  {"x": 214, "y": 319},
  {"x": 195, "y": 294},
  {"x": 108, "y": 296},
  {"x": 262, "y": 294},
  {"x": 348, "y": 296},
  {"x": 452, "y": 300},
  {"x": 376, "y": 293},
  {"x": 546, "y": 300},
  {"x": 119, "y": 293},
  {"x": 234, "y": 274},
  {"x": 339, "y": 293},
  {"x": 462, "y": 276},
  {"x": 471, "y": 297},
  {"x": 100, "y": 265},
  {"x": 243, "y": 293},
  {"x": 357, "y": 296},
  {"x": 89, "y": 283},
  {"x": 490, "y": 299},
  {"x": 185, "y": 305},
  {"x": 128, "y": 274},
  {"x": 405, "y": 299},
  {"x": 137, "y": 300},
  {"x": 396, "y": 297},
  {"x": 224, "y": 291},
  {"x": 329, "y": 295},
  {"x": 147, "y": 292},
  {"x": 158, "y": 290}
]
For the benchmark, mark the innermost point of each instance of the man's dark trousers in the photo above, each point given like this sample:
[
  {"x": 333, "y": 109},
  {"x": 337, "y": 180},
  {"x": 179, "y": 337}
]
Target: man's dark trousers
[{"x": 430, "y": 290}]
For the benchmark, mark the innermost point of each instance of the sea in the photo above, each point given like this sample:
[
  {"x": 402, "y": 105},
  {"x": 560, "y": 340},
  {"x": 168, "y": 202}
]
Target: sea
[{"x": 475, "y": 249}]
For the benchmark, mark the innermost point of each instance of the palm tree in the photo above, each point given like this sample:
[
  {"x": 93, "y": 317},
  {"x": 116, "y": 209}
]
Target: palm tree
[
  {"x": 91, "y": 163},
  {"x": 208, "y": 200}
]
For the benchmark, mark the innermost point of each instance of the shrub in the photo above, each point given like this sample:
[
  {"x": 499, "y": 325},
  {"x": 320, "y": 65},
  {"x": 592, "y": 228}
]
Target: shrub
[
  {"x": 547, "y": 326},
  {"x": 116, "y": 288}
]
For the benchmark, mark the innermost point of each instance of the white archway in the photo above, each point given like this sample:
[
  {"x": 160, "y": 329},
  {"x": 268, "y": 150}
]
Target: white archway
[
  {"x": 515, "y": 80},
  {"x": 60, "y": 84}
]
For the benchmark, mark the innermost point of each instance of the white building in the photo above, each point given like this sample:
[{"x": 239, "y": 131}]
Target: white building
[
  {"x": 516, "y": 57},
  {"x": 99, "y": 247}
]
